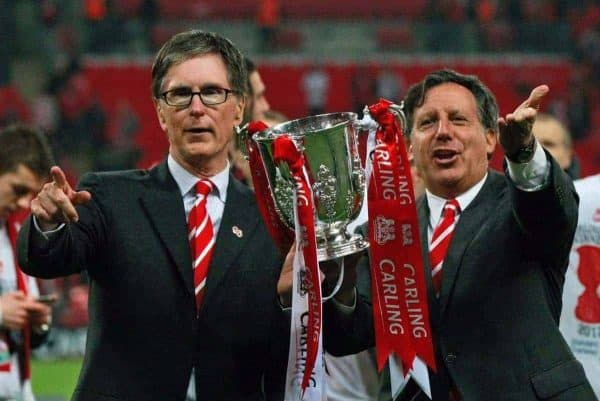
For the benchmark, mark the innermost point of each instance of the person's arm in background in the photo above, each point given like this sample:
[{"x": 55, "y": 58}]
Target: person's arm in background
[{"x": 18, "y": 311}]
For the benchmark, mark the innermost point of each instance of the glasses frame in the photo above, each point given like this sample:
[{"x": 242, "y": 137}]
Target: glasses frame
[{"x": 163, "y": 96}]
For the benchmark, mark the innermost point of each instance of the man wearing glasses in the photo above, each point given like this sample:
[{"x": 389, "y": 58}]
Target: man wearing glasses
[{"x": 183, "y": 272}]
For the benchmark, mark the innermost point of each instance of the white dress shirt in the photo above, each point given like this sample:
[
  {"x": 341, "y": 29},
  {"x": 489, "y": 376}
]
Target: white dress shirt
[{"x": 215, "y": 203}]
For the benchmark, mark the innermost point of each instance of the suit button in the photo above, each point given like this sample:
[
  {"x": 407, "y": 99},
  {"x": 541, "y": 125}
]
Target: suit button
[{"x": 450, "y": 358}]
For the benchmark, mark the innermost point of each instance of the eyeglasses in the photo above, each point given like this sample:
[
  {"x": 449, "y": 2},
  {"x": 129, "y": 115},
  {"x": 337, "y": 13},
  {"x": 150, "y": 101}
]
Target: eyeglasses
[{"x": 182, "y": 97}]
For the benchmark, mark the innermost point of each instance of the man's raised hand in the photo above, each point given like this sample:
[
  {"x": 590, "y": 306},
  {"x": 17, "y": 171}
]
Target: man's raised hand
[
  {"x": 55, "y": 204},
  {"x": 515, "y": 127}
]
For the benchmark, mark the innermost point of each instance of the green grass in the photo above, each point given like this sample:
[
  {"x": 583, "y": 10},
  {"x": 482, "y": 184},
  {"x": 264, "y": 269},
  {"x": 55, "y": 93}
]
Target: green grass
[{"x": 55, "y": 378}]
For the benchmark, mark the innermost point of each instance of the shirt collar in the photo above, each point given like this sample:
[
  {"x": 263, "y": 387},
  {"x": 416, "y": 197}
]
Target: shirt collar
[
  {"x": 186, "y": 180},
  {"x": 436, "y": 203}
]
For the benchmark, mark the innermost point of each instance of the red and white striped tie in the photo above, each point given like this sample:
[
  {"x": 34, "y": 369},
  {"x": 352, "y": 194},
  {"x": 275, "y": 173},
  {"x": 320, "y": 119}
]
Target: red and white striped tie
[
  {"x": 440, "y": 242},
  {"x": 202, "y": 239}
]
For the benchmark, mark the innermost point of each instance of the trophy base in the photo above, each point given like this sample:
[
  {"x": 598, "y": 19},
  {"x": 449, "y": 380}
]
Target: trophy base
[{"x": 334, "y": 250}]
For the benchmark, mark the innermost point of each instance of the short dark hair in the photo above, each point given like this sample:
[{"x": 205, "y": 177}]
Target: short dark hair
[
  {"x": 27, "y": 146},
  {"x": 189, "y": 44},
  {"x": 487, "y": 107}
]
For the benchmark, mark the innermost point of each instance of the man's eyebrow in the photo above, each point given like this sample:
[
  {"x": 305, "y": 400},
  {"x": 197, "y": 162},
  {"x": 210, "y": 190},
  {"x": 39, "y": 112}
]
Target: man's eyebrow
[{"x": 426, "y": 113}]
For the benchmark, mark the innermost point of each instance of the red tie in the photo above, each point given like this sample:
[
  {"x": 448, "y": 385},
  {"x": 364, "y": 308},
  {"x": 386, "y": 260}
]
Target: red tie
[
  {"x": 440, "y": 242},
  {"x": 202, "y": 239}
]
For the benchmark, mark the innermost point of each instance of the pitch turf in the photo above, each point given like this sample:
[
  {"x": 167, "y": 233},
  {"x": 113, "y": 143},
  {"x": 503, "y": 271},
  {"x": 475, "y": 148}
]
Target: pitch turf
[{"x": 55, "y": 379}]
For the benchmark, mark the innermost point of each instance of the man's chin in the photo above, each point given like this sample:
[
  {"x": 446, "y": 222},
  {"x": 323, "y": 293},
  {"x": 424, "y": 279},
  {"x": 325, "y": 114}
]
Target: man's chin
[{"x": 444, "y": 181}]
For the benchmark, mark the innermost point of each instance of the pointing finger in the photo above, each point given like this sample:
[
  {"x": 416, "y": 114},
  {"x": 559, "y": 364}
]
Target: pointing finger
[
  {"x": 59, "y": 178},
  {"x": 536, "y": 96}
]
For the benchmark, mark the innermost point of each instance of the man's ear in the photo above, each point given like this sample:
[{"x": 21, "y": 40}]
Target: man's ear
[
  {"x": 491, "y": 138},
  {"x": 239, "y": 111},
  {"x": 160, "y": 113}
]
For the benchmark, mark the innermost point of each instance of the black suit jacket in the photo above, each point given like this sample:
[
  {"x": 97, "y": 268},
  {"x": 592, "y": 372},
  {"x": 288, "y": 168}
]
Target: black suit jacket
[
  {"x": 495, "y": 324},
  {"x": 144, "y": 336}
]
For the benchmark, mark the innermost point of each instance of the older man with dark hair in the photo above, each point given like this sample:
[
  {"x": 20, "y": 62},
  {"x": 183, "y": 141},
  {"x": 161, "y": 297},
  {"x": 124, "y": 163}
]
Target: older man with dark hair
[
  {"x": 495, "y": 247},
  {"x": 185, "y": 280},
  {"x": 183, "y": 273}
]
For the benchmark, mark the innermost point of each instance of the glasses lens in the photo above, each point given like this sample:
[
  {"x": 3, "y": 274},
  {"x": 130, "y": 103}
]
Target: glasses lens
[
  {"x": 178, "y": 97},
  {"x": 213, "y": 95}
]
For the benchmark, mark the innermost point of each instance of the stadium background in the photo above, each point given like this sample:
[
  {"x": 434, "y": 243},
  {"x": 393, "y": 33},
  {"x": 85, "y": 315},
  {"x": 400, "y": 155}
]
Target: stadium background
[{"x": 80, "y": 69}]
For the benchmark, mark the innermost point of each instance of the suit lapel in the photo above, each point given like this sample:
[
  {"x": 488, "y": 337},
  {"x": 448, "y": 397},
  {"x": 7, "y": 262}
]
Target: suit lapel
[
  {"x": 164, "y": 207},
  {"x": 239, "y": 222},
  {"x": 471, "y": 221}
]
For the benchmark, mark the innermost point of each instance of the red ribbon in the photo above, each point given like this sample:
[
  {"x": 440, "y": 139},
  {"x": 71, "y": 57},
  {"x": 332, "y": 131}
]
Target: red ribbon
[
  {"x": 400, "y": 306},
  {"x": 280, "y": 233},
  {"x": 284, "y": 150}
]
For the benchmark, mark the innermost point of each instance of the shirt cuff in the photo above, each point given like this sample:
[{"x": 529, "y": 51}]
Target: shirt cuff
[
  {"x": 533, "y": 175},
  {"x": 48, "y": 235}
]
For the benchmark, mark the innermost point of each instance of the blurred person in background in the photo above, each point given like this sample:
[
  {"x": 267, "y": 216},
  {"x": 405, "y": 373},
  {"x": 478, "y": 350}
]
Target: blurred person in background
[
  {"x": 25, "y": 160},
  {"x": 256, "y": 108},
  {"x": 580, "y": 317},
  {"x": 556, "y": 139},
  {"x": 256, "y": 100},
  {"x": 494, "y": 269}
]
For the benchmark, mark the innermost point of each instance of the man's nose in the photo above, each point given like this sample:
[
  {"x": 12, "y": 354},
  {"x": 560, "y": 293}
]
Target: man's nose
[
  {"x": 443, "y": 128},
  {"x": 196, "y": 105}
]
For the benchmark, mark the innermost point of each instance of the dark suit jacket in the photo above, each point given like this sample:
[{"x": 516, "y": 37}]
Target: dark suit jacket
[
  {"x": 144, "y": 337},
  {"x": 495, "y": 324}
]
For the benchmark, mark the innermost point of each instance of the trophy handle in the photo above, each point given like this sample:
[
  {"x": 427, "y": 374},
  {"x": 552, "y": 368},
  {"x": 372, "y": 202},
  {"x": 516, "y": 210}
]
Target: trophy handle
[
  {"x": 367, "y": 123},
  {"x": 398, "y": 112}
]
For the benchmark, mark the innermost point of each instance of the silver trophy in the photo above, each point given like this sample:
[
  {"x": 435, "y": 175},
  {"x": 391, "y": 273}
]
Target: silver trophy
[{"x": 329, "y": 145}]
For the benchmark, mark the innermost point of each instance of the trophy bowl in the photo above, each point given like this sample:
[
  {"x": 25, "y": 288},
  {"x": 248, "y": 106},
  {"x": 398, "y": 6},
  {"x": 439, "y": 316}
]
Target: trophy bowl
[{"x": 328, "y": 143}]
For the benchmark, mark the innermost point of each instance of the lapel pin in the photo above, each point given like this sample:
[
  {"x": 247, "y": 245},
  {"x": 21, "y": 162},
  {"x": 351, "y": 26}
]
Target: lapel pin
[{"x": 237, "y": 231}]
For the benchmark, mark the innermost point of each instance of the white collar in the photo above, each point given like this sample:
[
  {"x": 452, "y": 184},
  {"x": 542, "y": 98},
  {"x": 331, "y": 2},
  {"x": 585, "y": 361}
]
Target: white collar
[
  {"x": 436, "y": 203},
  {"x": 186, "y": 180}
]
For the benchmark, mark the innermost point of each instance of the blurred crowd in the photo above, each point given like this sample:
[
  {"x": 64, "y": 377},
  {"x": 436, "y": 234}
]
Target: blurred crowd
[{"x": 87, "y": 137}]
